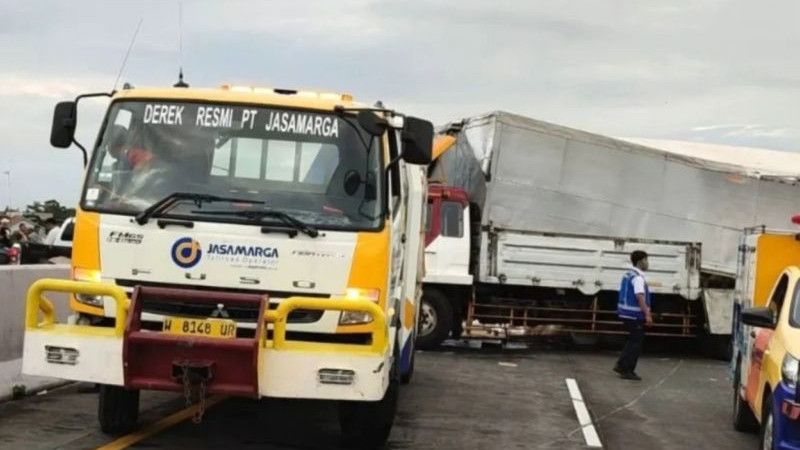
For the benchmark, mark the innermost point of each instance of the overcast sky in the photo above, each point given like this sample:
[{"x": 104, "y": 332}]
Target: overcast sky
[{"x": 704, "y": 70}]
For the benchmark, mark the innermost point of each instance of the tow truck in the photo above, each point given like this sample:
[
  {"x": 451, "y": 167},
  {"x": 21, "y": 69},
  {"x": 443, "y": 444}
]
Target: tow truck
[
  {"x": 766, "y": 336},
  {"x": 241, "y": 241}
]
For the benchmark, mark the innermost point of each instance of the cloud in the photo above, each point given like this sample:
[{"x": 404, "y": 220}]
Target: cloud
[
  {"x": 751, "y": 130},
  {"x": 710, "y": 70},
  {"x": 51, "y": 87}
]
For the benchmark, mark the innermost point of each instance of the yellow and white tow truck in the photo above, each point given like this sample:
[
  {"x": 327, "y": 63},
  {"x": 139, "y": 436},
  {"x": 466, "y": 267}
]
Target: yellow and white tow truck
[{"x": 241, "y": 241}]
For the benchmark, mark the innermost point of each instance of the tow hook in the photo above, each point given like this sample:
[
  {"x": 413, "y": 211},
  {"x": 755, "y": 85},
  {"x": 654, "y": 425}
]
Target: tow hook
[{"x": 194, "y": 376}]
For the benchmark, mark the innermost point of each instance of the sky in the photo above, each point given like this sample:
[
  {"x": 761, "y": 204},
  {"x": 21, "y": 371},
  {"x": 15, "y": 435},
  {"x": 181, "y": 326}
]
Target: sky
[{"x": 702, "y": 70}]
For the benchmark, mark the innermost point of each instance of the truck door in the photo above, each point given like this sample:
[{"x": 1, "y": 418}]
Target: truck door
[
  {"x": 760, "y": 342},
  {"x": 398, "y": 203}
]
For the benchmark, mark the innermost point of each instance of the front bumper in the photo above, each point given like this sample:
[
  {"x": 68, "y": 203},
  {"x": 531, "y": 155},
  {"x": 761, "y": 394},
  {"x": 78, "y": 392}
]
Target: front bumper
[
  {"x": 786, "y": 411},
  {"x": 267, "y": 365}
]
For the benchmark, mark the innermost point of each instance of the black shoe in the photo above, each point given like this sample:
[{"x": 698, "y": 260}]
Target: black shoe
[
  {"x": 618, "y": 370},
  {"x": 630, "y": 376}
]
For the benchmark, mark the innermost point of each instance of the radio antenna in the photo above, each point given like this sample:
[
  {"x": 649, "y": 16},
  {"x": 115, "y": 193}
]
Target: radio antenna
[
  {"x": 180, "y": 36},
  {"x": 128, "y": 53},
  {"x": 180, "y": 83}
]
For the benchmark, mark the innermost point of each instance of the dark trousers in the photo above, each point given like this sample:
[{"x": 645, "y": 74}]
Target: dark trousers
[{"x": 633, "y": 347}]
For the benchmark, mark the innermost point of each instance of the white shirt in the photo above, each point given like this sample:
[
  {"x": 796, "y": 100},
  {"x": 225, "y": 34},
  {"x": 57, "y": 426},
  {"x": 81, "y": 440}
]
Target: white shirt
[
  {"x": 638, "y": 281},
  {"x": 52, "y": 236}
]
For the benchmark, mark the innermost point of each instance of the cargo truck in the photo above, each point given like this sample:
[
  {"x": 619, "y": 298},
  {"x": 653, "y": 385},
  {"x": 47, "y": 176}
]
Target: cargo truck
[
  {"x": 531, "y": 225},
  {"x": 241, "y": 241}
]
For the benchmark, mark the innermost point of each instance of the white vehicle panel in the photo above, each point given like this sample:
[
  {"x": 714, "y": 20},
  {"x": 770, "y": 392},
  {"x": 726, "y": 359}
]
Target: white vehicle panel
[
  {"x": 589, "y": 264},
  {"x": 99, "y": 358},
  {"x": 227, "y": 256}
]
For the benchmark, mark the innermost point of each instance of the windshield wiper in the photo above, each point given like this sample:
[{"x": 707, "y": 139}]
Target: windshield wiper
[
  {"x": 257, "y": 215},
  {"x": 198, "y": 199}
]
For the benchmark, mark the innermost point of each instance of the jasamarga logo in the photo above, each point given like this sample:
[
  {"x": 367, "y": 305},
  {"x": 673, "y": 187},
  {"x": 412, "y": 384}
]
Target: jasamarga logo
[
  {"x": 243, "y": 250},
  {"x": 244, "y": 256}
]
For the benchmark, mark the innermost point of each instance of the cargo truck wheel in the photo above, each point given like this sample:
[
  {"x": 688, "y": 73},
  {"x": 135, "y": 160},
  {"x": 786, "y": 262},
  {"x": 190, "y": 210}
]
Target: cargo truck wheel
[
  {"x": 743, "y": 418},
  {"x": 435, "y": 320},
  {"x": 118, "y": 409}
]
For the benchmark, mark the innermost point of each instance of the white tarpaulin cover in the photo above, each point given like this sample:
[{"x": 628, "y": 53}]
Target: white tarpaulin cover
[{"x": 531, "y": 175}]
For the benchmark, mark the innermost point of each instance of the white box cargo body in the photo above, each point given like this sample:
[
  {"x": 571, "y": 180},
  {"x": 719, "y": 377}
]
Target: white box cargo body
[{"x": 531, "y": 175}]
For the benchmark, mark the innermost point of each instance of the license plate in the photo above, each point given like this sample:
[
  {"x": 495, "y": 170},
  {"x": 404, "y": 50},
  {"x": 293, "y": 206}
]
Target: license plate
[{"x": 215, "y": 328}]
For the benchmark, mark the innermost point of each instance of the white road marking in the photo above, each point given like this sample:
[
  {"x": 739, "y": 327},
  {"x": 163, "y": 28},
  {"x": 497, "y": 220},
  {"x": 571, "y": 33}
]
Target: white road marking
[
  {"x": 584, "y": 419},
  {"x": 506, "y": 364}
]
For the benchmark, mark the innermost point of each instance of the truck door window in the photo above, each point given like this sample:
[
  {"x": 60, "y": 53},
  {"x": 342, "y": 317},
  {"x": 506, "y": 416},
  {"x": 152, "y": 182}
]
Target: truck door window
[
  {"x": 394, "y": 174},
  {"x": 429, "y": 217},
  {"x": 452, "y": 219},
  {"x": 776, "y": 301}
]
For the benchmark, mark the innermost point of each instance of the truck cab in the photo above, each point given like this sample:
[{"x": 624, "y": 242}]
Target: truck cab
[
  {"x": 260, "y": 242},
  {"x": 767, "y": 339},
  {"x": 448, "y": 277}
]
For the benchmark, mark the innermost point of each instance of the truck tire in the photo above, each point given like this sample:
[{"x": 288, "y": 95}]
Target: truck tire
[
  {"x": 767, "y": 434},
  {"x": 435, "y": 320},
  {"x": 718, "y": 346},
  {"x": 117, "y": 409},
  {"x": 366, "y": 425},
  {"x": 743, "y": 418},
  {"x": 405, "y": 377}
]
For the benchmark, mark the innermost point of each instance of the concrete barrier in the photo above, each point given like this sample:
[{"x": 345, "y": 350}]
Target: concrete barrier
[{"x": 14, "y": 283}]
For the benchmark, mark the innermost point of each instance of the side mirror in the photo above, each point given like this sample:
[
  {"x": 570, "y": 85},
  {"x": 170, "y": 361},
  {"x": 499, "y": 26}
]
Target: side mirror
[
  {"x": 417, "y": 137},
  {"x": 759, "y": 317},
  {"x": 64, "y": 120},
  {"x": 352, "y": 181},
  {"x": 372, "y": 123}
]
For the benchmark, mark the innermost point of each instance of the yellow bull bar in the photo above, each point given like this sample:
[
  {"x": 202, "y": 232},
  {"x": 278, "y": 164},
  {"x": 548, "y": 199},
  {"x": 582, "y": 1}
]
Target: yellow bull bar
[
  {"x": 278, "y": 317},
  {"x": 36, "y": 301}
]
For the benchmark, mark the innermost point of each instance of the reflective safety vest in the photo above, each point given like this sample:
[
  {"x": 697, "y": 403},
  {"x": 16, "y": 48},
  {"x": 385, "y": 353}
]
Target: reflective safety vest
[{"x": 627, "y": 305}]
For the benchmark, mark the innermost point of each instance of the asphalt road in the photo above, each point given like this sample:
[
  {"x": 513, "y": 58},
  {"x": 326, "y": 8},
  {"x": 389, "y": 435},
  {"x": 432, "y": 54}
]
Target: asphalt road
[{"x": 458, "y": 399}]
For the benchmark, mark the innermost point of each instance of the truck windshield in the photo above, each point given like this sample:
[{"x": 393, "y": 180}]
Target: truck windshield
[{"x": 295, "y": 161}]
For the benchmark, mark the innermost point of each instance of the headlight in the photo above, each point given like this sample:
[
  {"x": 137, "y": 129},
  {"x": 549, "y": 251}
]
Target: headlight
[
  {"x": 789, "y": 370},
  {"x": 358, "y": 317},
  {"x": 79, "y": 274},
  {"x": 92, "y": 275}
]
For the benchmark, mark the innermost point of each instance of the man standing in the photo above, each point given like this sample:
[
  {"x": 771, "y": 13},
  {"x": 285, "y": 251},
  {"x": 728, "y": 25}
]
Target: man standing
[
  {"x": 5, "y": 232},
  {"x": 21, "y": 235},
  {"x": 633, "y": 307}
]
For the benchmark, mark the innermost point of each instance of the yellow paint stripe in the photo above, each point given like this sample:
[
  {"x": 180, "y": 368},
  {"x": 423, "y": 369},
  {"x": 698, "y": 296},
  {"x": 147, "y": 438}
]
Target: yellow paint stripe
[{"x": 159, "y": 426}]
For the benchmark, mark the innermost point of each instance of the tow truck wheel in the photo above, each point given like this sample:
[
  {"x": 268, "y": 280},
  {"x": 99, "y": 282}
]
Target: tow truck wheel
[
  {"x": 405, "y": 378},
  {"x": 435, "y": 320},
  {"x": 743, "y": 418},
  {"x": 118, "y": 409}
]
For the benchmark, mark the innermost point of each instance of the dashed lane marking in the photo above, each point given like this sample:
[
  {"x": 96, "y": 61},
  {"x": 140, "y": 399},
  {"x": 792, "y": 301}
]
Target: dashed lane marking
[{"x": 584, "y": 418}]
